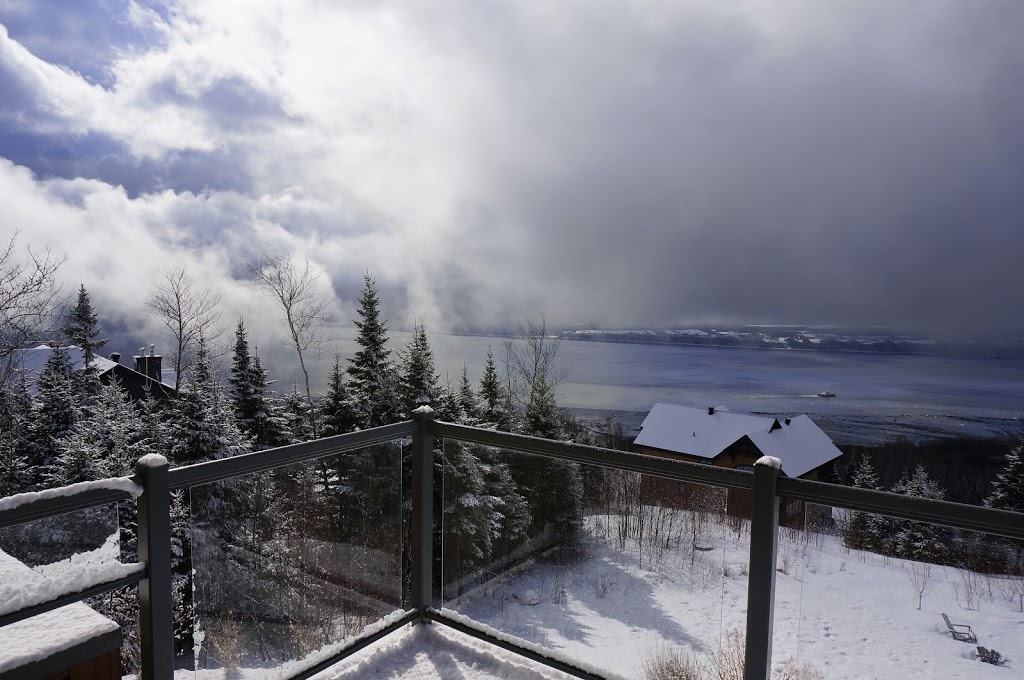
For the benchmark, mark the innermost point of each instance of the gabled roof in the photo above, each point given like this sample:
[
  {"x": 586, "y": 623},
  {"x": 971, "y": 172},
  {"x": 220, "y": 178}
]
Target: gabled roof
[
  {"x": 694, "y": 431},
  {"x": 800, "y": 443},
  {"x": 33, "y": 359}
]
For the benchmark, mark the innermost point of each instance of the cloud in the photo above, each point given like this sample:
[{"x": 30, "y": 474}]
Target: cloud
[{"x": 599, "y": 162}]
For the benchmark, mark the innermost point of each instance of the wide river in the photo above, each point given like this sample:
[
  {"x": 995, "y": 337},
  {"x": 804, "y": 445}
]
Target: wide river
[{"x": 877, "y": 395}]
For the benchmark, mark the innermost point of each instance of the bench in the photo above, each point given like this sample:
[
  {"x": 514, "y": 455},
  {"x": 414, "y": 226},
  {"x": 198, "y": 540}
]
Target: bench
[{"x": 960, "y": 635}]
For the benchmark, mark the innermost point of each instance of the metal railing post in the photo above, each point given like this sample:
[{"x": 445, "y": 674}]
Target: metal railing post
[
  {"x": 156, "y": 614},
  {"x": 422, "y": 514},
  {"x": 764, "y": 532}
]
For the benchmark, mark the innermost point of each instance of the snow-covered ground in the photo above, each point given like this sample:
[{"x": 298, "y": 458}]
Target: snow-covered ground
[{"x": 847, "y": 614}]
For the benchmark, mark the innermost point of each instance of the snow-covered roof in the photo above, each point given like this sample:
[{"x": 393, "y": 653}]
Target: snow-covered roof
[
  {"x": 694, "y": 431},
  {"x": 33, "y": 359},
  {"x": 799, "y": 443},
  {"x": 42, "y": 636}
]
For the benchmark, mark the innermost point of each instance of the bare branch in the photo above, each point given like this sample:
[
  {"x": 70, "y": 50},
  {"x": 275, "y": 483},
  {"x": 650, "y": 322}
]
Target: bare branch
[
  {"x": 30, "y": 299},
  {"x": 295, "y": 289},
  {"x": 187, "y": 311}
]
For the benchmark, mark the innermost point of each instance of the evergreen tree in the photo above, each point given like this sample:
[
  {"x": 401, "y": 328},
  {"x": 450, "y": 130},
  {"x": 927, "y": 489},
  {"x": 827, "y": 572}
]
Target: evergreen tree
[
  {"x": 1008, "y": 488},
  {"x": 919, "y": 540},
  {"x": 470, "y": 516},
  {"x": 15, "y": 416},
  {"x": 54, "y": 408},
  {"x": 295, "y": 410},
  {"x": 253, "y": 410},
  {"x": 338, "y": 414},
  {"x": 862, "y": 527},
  {"x": 490, "y": 391},
  {"x": 200, "y": 426},
  {"x": 246, "y": 385},
  {"x": 82, "y": 329},
  {"x": 419, "y": 382},
  {"x": 447, "y": 406},
  {"x": 541, "y": 417},
  {"x": 467, "y": 398},
  {"x": 373, "y": 379}
]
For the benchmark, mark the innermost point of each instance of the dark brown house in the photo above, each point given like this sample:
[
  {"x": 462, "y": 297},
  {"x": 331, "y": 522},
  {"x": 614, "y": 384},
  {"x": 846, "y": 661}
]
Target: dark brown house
[
  {"x": 715, "y": 436},
  {"x": 142, "y": 379}
]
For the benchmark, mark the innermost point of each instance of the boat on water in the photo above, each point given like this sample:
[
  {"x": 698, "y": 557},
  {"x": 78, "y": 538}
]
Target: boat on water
[{"x": 826, "y": 394}]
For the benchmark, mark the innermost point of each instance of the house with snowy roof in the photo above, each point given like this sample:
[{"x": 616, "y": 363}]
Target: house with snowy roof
[
  {"x": 145, "y": 378},
  {"x": 716, "y": 436}
]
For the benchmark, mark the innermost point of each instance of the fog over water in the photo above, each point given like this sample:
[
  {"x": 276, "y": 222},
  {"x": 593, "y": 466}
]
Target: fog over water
[{"x": 878, "y": 396}]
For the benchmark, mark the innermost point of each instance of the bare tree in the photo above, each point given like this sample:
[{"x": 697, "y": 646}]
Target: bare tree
[
  {"x": 189, "y": 312},
  {"x": 294, "y": 287},
  {"x": 918, "y": 575},
  {"x": 530, "y": 363},
  {"x": 29, "y": 299}
]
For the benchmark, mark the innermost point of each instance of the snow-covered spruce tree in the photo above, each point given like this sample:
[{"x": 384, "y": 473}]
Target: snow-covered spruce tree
[
  {"x": 511, "y": 516},
  {"x": 253, "y": 410},
  {"x": 490, "y": 392},
  {"x": 200, "y": 425},
  {"x": 15, "y": 415},
  {"x": 82, "y": 328},
  {"x": 54, "y": 409},
  {"x": 295, "y": 411},
  {"x": 373, "y": 379},
  {"x": 1008, "y": 488},
  {"x": 919, "y": 540},
  {"x": 447, "y": 406},
  {"x": 419, "y": 382},
  {"x": 467, "y": 399},
  {"x": 338, "y": 414},
  {"x": 107, "y": 443},
  {"x": 860, "y": 530},
  {"x": 470, "y": 516},
  {"x": 556, "y": 486}
]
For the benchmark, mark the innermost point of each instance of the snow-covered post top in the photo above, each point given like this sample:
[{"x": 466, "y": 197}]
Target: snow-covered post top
[
  {"x": 770, "y": 461},
  {"x": 420, "y": 412}
]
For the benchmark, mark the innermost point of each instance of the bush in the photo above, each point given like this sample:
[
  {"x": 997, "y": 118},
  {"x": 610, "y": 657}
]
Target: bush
[{"x": 673, "y": 663}]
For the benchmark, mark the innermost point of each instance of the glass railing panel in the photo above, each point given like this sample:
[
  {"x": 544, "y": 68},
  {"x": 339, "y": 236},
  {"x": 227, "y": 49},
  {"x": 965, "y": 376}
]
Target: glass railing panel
[
  {"x": 873, "y": 592},
  {"x": 611, "y": 569},
  {"x": 290, "y": 563},
  {"x": 43, "y": 559}
]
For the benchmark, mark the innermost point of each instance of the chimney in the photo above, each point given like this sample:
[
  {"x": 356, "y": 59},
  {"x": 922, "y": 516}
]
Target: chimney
[
  {"x": 115, "y": 357},
  {"x": 148, "y": 364},
  {"x": 711, "y": 410}
]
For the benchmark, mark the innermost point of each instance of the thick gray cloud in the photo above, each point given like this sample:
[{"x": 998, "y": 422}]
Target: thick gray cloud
[{"x": 600, "y": 162}]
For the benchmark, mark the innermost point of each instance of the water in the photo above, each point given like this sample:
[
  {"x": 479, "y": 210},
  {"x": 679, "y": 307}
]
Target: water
[{"x": 877, "y": 395}]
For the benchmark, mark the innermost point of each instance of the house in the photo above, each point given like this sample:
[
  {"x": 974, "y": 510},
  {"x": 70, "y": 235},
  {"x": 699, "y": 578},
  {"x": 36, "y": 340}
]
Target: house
[
  {"x": 716, "y": 436},
  {"x": 146, "y": 377},
  {"x": 71, "y": 642}
]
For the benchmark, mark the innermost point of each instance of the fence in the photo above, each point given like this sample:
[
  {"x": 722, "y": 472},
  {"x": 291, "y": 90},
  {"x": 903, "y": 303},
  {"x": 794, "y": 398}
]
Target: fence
[{"x": 766, "y": 484}]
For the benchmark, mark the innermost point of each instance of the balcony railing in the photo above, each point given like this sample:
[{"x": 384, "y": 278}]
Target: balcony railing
[{"x": 765, "y": 484}]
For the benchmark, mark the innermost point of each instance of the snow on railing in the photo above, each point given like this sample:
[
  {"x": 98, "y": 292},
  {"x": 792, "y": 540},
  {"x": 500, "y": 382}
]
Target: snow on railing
[{"x": 126, "y": 484}]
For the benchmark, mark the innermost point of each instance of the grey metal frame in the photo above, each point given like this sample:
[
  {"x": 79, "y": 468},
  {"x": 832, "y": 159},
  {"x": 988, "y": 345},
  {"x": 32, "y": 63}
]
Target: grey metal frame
[{"x": 765, "y": 482}]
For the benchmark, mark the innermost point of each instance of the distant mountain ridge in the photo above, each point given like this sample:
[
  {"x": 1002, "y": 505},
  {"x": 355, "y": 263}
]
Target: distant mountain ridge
[{"x": 821, "y": 339}]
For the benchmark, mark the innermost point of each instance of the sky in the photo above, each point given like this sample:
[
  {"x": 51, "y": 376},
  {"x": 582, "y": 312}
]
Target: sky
[{"x": 604, "y": 163}]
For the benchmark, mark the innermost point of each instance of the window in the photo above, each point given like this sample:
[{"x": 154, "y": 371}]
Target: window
[{"x": 745, "y": 468}]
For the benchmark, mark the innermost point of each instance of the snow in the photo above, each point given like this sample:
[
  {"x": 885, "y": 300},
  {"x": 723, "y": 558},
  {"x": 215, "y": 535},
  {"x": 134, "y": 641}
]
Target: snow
[
  {"x": 46, "y": 634},
  {"x": 423, "y": 409},
  {"x": 437, "y": 652},
  {"x": 848, "y": 614},
  {"x": 770, "y": 461},
  {"x": 126, "y": 484},
  {"x": 153, "y": 460},
  {"x": 20, "y": 588},
  {"x": 695, "y": 432}
]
